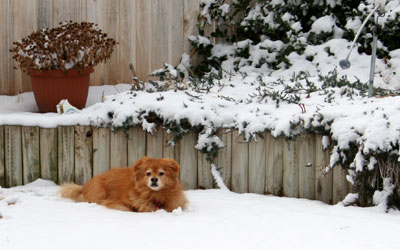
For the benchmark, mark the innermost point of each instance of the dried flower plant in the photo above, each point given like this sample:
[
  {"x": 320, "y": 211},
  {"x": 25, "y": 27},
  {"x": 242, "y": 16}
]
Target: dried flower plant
[{"x": 71, "y": 45}]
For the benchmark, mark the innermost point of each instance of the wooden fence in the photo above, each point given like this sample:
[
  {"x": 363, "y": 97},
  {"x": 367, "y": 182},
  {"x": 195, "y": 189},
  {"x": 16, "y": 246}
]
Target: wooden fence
[
  {"x": 149, "y": 32},
  {"x": 76, "y": 153}
]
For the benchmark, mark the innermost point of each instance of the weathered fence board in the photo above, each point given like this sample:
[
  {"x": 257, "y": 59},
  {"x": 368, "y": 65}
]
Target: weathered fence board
[
  {"x": 323, "y": 182},
  {"x": 149, "y": 32},
  {"x": 257, "y": 162},
  {"x": 74, "y": 154},
  {"x": 136, "y": 145},
  {"x": 13, "y": 155},
  {"x": 2, "y": 165},
  {"x": 65, "y": 151},
  {"x": 240, "y": 164},
  {"x": 48, "y": 154},
  {"x": 340, "y": 184},
  {"x": 101, "y": 150},
  {"x": 188, "y": 161},
  {"x": 30, "y": 154},
  {"x": 119, "y": 149},
  {"x": 224, "y": 158},
  {"x": 305, "y": 160},
  {"x": 155, "y": 142},
  {"x": 290, "y": 175},
  {"x": 83, "y": 154}
]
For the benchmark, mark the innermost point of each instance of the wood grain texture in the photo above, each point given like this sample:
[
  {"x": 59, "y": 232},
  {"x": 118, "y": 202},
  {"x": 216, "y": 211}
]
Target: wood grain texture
[
  {"x": 48, "y": 154},
  {"x": 269, "y": 163},
  {"x": 126, "y": 39},
  {"x": 191, "y": 11},
  {"x": 277, "y": 165},
  {"x": 13, "y": 156},
  {"x": 119, "y": 149},
  {"x": 290, "y": 169},
  {"x": 101, "y": 150},
  {"x": 257, "y": 165},
  {"x": 188, "y": 161},
  {"x": 136, "y": 145},
  {"x": 340, "y": 184},
  {"x": 305, "y": 160},
  {"x": 143, "y": 39},
  {"x": 66, "y": 157},
  {"x": 2, "y": 163},
  {"x": 205, "y": 179},
  {"x": 224, "y": 158},
  {"x": 171, "y": 149},
  {"x": 154, "y": 143},
  {"x": 175, "y": 31},
  {"x": 323, "y": 182},
  {"x": 83, "y": 154},
  {"x": 240, "y": 163},
  {"x": 30, "y": 154}
]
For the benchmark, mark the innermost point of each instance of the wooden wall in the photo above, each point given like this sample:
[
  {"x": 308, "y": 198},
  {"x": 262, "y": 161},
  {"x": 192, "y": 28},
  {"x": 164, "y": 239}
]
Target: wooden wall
[
  {"x": 149, "y": 32},
  {"x": 266, "y": 166}
]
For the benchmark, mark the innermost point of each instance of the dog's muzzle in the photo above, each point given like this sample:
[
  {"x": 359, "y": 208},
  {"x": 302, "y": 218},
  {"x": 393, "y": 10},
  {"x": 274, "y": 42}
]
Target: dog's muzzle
[{"x": 154, "y": 182}]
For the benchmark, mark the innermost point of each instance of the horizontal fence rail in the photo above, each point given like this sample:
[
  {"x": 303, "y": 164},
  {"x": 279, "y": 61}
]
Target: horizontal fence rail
[
  {"x": 149, "y": 32},
  {"x": 266, "y": 166}
]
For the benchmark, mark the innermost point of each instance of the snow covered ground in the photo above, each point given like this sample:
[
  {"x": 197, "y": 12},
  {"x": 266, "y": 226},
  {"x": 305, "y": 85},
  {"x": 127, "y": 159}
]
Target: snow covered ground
[{"x": 34, "y": 217}]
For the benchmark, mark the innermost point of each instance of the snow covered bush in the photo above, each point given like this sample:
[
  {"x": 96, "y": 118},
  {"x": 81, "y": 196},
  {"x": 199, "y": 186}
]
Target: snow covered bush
[
  {"x": 264, "y": 34},
  {"x": 71, "y": 45}
]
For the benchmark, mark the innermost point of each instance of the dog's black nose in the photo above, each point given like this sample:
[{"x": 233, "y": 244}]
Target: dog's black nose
[{"x": 154, "y": 179}]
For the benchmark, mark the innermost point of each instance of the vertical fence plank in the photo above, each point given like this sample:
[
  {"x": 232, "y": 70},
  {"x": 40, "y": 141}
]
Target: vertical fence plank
[
  {"x": 94, "y": 7},
  {"x": 340, "y": 184},
  {"x": 127, "y": 38},
  {"x": 170, "y": 151},
  {"x": 83, "y": 154},
  {"x": 188, "y": 161},
  {"x": 13, "y": 156},
  {"x": 71, "y": 10},
  {"x": 175, "y": 31},
  {"x": 205, "y": 179},
  {"x": 30, "y": 154},
  {"x": 323, "y": 182},
  {"x": 136, "y": 145},
  {"x": 2, "y": 164},
  {"x": 45, "y": 14},
  {"x": 277, "y": 165},
  {"x": 111, "y": 20},
  {"x": 154, "y": 145},
  {"x": 290, "y": 169},
  {"x": 159, "y": 34},
  {"x": 257, "y": 163},
  {"x": 191, "y": 11},
  {"x": 66, "y": 166},
  {"x": 143, "y": 38},
  {"x": 224, "y": 158},
  {"x": 305, "y": 157},
  {"x": 119, "y": 149},
  {"x": 269, "y": 163},
  {"x": 101, "y": 150},
  {"x": 48, "y": 154},
  {"x": 240, "y": 163}
]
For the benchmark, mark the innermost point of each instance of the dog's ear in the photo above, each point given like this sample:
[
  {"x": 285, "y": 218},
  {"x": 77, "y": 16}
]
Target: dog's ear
[
  {"x": 139, "y": 163},
  {"x": 172, "y": 164}
]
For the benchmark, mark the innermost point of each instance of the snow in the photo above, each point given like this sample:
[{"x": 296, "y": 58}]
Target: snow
[{"x": 34, "y": 217}]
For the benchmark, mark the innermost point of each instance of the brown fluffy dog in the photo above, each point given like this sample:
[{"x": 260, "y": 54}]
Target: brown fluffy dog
[{"x": 150, "y": 184}]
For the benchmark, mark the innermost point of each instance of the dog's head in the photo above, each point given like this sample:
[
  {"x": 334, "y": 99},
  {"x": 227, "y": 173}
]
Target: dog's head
[{"x": 156, "y": 174}]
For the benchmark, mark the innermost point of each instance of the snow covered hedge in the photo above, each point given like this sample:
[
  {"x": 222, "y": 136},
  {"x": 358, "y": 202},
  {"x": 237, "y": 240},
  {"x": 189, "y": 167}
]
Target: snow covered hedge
[{"x": 274, "y": 68}]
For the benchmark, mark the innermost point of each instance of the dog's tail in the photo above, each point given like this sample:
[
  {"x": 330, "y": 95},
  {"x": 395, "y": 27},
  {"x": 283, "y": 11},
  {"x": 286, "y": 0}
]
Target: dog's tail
[{"x": 71, "y": 191}]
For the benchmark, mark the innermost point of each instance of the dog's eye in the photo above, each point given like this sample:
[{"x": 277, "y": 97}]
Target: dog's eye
[
  {"x": 148, "y": 173},
  {"x": 162, "y": 173}
]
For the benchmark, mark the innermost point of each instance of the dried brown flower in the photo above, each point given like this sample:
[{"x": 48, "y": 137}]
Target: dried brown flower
[{"x": 71, "y": 45}]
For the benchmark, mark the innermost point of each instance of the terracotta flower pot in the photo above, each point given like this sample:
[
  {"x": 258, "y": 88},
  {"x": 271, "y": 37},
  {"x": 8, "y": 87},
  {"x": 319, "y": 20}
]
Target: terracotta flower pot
[{"x": 50, "y": 87}]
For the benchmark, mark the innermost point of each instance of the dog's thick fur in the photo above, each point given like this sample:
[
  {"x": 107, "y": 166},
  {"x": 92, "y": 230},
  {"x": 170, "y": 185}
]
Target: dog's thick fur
[{"x": 148, "y": 185}]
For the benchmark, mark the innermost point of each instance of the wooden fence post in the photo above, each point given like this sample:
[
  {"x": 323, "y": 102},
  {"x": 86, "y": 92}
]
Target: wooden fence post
[
  {"x": 2, "y": 164},
  {"x": 240, "y": 163},
  {"x": 340, "y": 184},
  {"x": 188, "y": 161},
  {"x": 290, "y": 178},
  {"x": 48, "y": 154},
  {"x": 257, "y": 163},
  {"x": 323, "y": 182},
  {"x": 136, "y": 145},
  {"x": 224, "y": 157},
  {"x": 101, "y": 150},
  {"x": 13, "y": 155},
  {"x": 305, "y": 159},
  {"x": 83, "y": 154},
  {"x": 155, "y": 142},
  {"x": 170, "y": 151},
  {"x": 66, "y": 146},
  {"x": 205, "y": 179},
  {"x": 118, "y": 149},
  {"x": 30, "y": 154}
]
